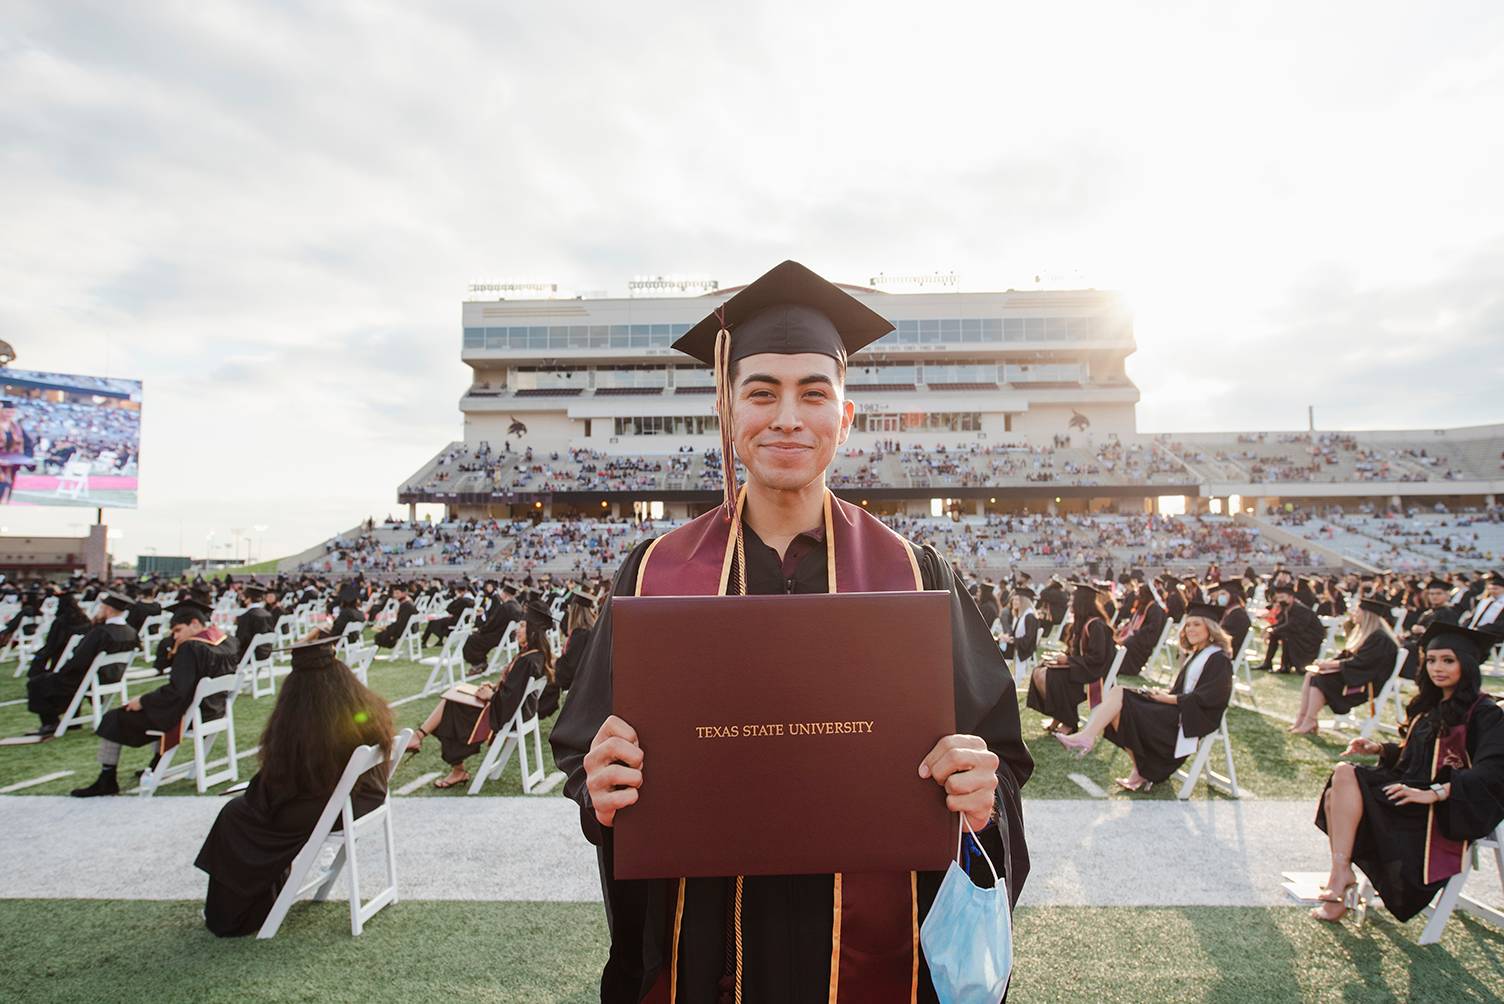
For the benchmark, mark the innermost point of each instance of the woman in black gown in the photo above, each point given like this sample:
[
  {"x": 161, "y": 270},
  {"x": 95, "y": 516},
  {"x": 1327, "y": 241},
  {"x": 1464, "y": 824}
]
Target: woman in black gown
[
  {"x": 1404, "y": 820},
  {"x": 579, "y": 620},
  {"x": 323, "y": 713},
  {"x": 1159, "y": 729},
  {"x": 1057, "y": 689},
  {"x": 454, "y": 723},
  {"x": 1141, "y": 634},
  {"x": 1358, "y": 672}
]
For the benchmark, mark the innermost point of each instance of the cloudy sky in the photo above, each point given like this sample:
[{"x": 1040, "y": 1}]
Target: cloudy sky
[{"x": 268, "y": 212}]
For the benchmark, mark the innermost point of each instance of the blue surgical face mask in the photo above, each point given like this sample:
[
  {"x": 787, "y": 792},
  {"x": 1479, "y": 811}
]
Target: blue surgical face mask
[
  {"x": 1222, "y": 599},
  {"x": 967, "y": 935}
]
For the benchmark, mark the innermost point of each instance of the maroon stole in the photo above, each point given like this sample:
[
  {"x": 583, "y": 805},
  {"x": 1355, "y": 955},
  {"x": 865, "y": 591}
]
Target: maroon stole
[
  {"x": 874, "y": 938},
  {"x": 210, "y": 635},
  {"x": 482, "y": 732},
  {"x": 1443, "y": 854}
]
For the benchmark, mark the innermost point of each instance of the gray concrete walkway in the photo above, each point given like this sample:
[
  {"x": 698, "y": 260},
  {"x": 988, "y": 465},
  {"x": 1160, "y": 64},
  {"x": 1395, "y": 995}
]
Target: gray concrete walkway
[{"x": 1086, "y": 853}]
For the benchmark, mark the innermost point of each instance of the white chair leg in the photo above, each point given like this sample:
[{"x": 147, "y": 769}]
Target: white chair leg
[
  {"x": 353, "y": 864},
  {"x": 1445, "y": 904}
]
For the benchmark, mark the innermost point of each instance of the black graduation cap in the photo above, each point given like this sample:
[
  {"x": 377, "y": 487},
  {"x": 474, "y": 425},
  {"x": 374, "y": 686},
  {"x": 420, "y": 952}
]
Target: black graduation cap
[
  {"x": 1441, "y": 584},
  {"x": 116, "y": 601},
  {"x": 314, "y": 653},
  {"x": 1283, "y": 587},
  {"x": 1025, "y": 592},
  {"x": 1465, "y": 641},
  {"x": 1211, "y": 613},
  {"x": 1379, "y": 607},
  {"x": 254, "y": 591},
  {"x": 787, "y": 310},
  {"x": 1494, "y": 578},
  {"x": 197, "y": 606},
  {"x": 537, "y": 610},
  {"x": 1233, "y": 586},
  {"x": 508, "y": 586},
  {"x": 579, "y": 599}
]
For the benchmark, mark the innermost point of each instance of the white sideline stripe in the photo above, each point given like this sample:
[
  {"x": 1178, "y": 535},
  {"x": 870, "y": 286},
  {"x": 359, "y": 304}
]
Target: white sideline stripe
[
  {"x": 35, "y": 781},
  {"x": 416, "y": 783},
  {"x": 6, "y": 704},
  {"x": 549, "y": 783},
  {"x": 1087, "y": 785},
  {"x": 407, "y": 700}
]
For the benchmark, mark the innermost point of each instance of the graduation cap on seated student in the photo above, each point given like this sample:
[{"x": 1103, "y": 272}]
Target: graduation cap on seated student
[
  {"x": 1379, "y": 607},
  {"x": 196, "y": 606},
  {"x": 789, "y": 310},
  {"x": 118, "y": 602},
  {"x": 1470, "y": 645},
  {"x": 1204, "y": 610},
  {"x": 313, "y": 653}
]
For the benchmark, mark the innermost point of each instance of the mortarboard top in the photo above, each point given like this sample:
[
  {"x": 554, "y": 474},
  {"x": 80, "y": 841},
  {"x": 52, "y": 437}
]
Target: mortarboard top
[
  {"x": 1465, "y": 641},
  {"x": 580, "y": 599},
  {"x": 1232, "y": 586},
  {"x": 1494, "y": 578},
  {"x": 508, "y": 586},
  {"x": 1379, "y": 607},
  {"x": 1211, "y": 613},
  {"x": 1025, "y": 592},
  {"x": 1441, "y": 584},
  {"x": 194, "y": 607},
  {"x": 253, "y": 591},
  {"x": 1282, "y": 587},
  {"x": 787, "y": 310},
  {"x": 312, "y": 653},
  {"x": 536, "y": 609},
  {"x": 116, "y": 601}
]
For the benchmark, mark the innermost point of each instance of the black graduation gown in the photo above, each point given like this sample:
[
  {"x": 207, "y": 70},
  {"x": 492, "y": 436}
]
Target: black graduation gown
[
  {"x": 48, "y": 694},
  {"x": 1149, "y": 729},
  {"x": 1174, "y": 605},
  {"x": 1025, "y": 637},
  {"x": 253, "y": 841},
  {"x": 480, "y": 643},
  {"x": 253, "y": 621},
  {"x": 1088, "y": 659},
  {"x": 1391, "y": 840},
  {"x": 1237, "y": 625},
  {"x": 1302, "y": 634},
  {"x": 1052, "y": 604},
  {"x": 565, "y": 669},
  {"x": 162, "y": 709},
  {"x": 140, "y": 610},
  {"x": 387, "y": 636},
  {"x": 1139, "y": 645},
  {"x": 786, "y": 920},
  {"x": 348, "y": 614},
  {"x": 68, "y": 622},
  {"x": 457, "y": 721},
  {"x": 1369, "y": 667},
  {"x": 440, "y": 627}
]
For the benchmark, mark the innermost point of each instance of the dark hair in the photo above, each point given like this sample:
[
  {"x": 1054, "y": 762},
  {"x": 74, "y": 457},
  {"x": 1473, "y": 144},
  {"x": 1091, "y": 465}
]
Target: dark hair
[
  {"x": 320, "y": 717},
  {"x": 1085, "y": 604},
  {"x": 537, "y": 641},
  {"x": 1448, "y": 712},
  {"x": 840, "y": 371}
]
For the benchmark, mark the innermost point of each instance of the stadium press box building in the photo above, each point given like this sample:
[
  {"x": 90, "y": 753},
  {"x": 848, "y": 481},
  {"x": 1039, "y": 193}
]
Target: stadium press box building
[{"x": 959, "y": 370}]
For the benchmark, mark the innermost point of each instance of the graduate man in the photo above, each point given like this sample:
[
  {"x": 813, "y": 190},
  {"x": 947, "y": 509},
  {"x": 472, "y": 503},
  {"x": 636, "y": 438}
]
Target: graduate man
[
  {"x": 780, "y": 372},
  {"x": 254, "y": 620},
  {"x": 200, "y": 650},
  {"x": 48, "y": 694}
]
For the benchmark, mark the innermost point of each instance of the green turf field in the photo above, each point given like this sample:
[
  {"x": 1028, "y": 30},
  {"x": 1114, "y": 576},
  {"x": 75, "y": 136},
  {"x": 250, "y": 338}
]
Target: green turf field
[{"x": 87, "y": 950}]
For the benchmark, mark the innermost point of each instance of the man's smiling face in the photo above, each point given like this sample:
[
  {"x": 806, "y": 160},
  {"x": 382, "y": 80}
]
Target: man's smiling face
[{"x": 789, "y": 414}]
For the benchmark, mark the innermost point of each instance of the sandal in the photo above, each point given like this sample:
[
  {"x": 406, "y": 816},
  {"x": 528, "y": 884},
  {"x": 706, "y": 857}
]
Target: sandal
[
  {"x": 1349, "y": 899},
  {"x": 1143, "y": 785},
  {"x": 414, "y": 745},
  {"x": 444, "y": 783}
]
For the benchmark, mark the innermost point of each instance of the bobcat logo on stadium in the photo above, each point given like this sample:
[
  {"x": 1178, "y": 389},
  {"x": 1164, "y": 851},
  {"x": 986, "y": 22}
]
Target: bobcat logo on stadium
[
  {"x": 1079, "y": 421},
  {"x": 516, "y": 428}
]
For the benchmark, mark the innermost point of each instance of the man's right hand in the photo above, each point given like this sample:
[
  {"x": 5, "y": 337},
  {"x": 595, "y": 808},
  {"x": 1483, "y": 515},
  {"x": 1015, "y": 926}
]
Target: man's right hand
[{"x": 613, "y": 769}]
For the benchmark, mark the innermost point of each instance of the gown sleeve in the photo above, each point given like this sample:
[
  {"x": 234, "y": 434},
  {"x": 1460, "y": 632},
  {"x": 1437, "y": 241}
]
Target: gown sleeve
[
  {"x": 1027, "y": 638},
  {"x": 1201, "y": 710},
  {"x": 589, "y": 701},
  {"x": 1476, "y": 804},
  {"x": 1371, "y": 663},
  {"x": 987, "y": 707}
]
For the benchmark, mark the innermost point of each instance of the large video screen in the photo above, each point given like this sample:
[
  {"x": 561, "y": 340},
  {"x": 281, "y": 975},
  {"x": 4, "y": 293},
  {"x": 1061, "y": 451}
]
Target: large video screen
[{"x": 69, "y": 440}]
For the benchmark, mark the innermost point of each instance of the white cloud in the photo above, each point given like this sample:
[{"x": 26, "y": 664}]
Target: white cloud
[{"x": 268, "y": 212}]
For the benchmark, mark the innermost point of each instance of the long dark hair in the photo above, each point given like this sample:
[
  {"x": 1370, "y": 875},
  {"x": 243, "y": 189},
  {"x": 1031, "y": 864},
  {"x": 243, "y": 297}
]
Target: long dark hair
[
  {"x": 320, "y": 717},
  {"x": 1085, "y": 604},
  {"x": 537, "y": 641},
  {"x": 1449, "y": 712}
]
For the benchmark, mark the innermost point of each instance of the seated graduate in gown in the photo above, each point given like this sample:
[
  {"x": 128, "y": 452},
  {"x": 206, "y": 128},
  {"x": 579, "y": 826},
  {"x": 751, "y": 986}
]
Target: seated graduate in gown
[
  {"x": 323, "y": 712},
  {"x": 1021, "y": 638},
  {"x": 1357, "y": 673},
  {"x": 579, "y": 618},
  {"x": 1141, "y": 634},
  {"x": 467, "y": 715},
  {"x": 778, "y": 349},
  {"x": 1407, "y": 820},
  {"x": 1057, "y": 688},
  {"x": 1159, "y": 728}
]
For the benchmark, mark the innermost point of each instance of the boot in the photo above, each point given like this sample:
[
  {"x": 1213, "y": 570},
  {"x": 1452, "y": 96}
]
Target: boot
[{"x": 105, "y": 784}]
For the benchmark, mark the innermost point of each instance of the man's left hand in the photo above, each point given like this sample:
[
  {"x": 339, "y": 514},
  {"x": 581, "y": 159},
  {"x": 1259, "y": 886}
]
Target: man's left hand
[
  {"x": 967, "y": 770},
  {"x": 134, "y": 704}
]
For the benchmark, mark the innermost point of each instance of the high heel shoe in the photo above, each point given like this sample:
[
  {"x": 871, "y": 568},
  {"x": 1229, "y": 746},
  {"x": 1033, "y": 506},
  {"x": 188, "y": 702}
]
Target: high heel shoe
[
  {"x": 1079, "y": 747},
  {"x": 1144, "y": 785},
  {"x": 1351, "y": 903},
  {"x": 414, "y": 745}
]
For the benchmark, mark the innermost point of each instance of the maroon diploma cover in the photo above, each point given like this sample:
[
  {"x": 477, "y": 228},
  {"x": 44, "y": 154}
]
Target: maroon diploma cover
[{"x": 782, "y": 734}]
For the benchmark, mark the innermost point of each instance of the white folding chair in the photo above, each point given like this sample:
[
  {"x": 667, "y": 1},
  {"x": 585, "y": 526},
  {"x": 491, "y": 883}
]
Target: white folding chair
[
  {"x": 153, "y": 630},
  {"x": 1228, "y": 783},
  {"x": 308, "y": 874},
  {"x": 1242, "y": 673},
  {"x": 285, "y": 634},
  {"x": 448, "y": 666},
  {"x": 201, "y": 733},
  {"x": 1112, "y": 674},
  {"x": 98, "y": 693},
  {"x": 505, "y": 650},
  {"x": 1389, "y": 693},
  {"x": 25, "y": 664},
  {"x": 1452, "y": 898},
  {"x": 251, "y": 670},
  {"x": 359, "y": 659},
  {"x": 515, "y": 736}
]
